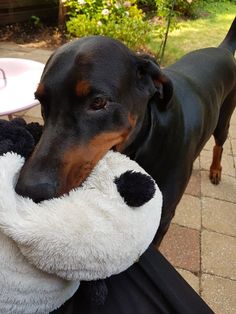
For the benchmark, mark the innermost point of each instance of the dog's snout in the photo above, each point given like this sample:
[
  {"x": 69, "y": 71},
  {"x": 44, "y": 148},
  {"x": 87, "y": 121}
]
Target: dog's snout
[{"x": 36, "y": 191}]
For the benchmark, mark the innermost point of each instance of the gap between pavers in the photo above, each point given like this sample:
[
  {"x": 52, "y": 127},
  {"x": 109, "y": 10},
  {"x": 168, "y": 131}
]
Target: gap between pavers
[
  {"x": 218, "y": 254},
  {"x": 191, "y": 278},
  {"x": 188, "y": 212},
  {"x": 223, "y": 191},
  {"x": 219, "y": 216}
]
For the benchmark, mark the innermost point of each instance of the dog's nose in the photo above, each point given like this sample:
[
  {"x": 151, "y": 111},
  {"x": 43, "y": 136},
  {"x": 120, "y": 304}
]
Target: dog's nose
[{"x": 36, "y": 191}]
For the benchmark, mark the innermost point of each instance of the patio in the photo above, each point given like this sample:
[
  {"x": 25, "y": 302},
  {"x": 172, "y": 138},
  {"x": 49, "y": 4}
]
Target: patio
[{"x": 201, "y": 242}]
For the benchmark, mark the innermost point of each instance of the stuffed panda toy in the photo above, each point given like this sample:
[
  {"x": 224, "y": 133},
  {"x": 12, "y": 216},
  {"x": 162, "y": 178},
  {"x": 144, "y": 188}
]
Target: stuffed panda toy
[{"x": 97, "y": 230}]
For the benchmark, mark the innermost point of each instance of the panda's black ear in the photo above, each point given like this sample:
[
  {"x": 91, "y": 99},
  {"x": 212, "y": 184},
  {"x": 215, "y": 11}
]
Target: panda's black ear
[
  {"x": 15, "y": 138},
  {"x": 36, "y": 130},
  {"x": 135, "y": 187}
]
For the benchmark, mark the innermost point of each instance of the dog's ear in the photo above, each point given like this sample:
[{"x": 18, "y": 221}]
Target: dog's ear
[{"x": 150, "y": 76}]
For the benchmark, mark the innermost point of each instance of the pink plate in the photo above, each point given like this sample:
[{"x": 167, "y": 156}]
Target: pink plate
[{"x": 18, "y": 81}]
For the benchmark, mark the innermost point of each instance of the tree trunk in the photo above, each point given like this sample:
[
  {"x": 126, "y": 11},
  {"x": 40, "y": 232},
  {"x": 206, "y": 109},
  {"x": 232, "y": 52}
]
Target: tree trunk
[{"x": 61, "y": 13}]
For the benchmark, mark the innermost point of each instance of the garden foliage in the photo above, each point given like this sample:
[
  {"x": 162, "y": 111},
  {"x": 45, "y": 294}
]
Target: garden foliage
[
  {"x": 184, "y": 8},
  {"x": 114, "y": 18},
  {"x": 126, "y": 21}
]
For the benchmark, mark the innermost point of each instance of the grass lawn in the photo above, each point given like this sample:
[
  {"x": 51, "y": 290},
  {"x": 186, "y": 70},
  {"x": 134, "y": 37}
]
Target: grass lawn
[{"x": 202, "y": 32}]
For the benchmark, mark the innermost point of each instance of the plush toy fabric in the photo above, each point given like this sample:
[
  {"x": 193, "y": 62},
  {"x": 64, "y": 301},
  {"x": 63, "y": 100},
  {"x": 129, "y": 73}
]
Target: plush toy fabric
[
  {"x": 18, "y": 136},
  {"x": 98, "y": 230}
]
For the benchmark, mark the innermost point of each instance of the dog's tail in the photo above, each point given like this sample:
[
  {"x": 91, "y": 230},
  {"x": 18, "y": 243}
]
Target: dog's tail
[{"x": 230, "y": 39}]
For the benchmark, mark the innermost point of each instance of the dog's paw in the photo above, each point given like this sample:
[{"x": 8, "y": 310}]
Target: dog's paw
[{"x": 215, "y": 175}]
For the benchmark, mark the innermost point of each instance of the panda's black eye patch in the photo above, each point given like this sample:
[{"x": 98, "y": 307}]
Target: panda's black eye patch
[{"x": 135, "y": 187}]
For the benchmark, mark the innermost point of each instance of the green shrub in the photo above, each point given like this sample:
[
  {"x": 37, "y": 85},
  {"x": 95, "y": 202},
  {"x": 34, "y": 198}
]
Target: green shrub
[
  {"x": 114, "y": 18},
  {"x": 183, "y": 8},
  {"x": 149, "y": 5}
]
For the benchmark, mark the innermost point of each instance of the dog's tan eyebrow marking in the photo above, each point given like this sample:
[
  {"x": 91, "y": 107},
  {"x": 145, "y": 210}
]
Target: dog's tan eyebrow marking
[
  {"x": 82, "y": 88},
  {"x": 40, "y": 91}
]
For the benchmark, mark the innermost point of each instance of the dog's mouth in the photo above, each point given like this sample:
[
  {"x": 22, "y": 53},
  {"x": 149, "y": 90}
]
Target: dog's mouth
[
  {"x": 45, "y": 176},
  {"x": 78, "y": 163},
  {"x": 75, "y": 177}
]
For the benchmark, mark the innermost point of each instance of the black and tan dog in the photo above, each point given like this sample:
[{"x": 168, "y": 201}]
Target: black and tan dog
[{"x": 98, "y": 95}]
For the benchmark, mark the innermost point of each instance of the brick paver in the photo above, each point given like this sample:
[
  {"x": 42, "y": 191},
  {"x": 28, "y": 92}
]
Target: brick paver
[
  {"x": 219, "y": 293},
  {"x": 218, "y": 254},
  {"x": 181, "y": 246},
  {"x": 189, "y": 212},
  {"x": 201, "y": 242}
]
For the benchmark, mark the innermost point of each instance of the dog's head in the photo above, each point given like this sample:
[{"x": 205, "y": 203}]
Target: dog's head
[{"x": 93, "y": 94}]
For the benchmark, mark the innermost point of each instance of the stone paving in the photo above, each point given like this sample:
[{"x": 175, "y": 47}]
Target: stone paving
[{"x": 201, "y": 242}]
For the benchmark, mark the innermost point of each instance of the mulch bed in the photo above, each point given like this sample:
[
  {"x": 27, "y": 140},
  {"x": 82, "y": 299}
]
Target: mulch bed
[{"x": 40, "y": 36}]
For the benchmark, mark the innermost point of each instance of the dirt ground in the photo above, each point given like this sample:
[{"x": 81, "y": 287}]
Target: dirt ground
[{"x": 40, "y": 36}]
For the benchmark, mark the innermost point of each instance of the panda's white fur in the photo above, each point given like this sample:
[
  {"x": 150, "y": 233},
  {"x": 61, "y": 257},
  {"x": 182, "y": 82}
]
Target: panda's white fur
[{"x": 47, "y": 248}]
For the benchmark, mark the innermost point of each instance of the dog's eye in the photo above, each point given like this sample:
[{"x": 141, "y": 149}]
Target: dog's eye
[{"x": 98, "y": 104}]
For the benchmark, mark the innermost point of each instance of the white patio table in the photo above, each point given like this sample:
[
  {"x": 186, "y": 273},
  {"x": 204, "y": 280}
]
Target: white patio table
[{"x": 18, "y": 81}]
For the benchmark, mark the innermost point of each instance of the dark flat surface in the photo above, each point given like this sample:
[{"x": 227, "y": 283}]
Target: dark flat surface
[{"x": 150, "y": 286}]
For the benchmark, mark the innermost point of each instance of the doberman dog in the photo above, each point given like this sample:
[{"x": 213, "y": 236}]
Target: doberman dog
[{"x": 97, "y": 95}]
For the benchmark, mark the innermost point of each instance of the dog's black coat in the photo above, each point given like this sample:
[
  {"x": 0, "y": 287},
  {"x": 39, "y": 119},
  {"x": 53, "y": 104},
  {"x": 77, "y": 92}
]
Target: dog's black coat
[{"x": 96, "y": 95}]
